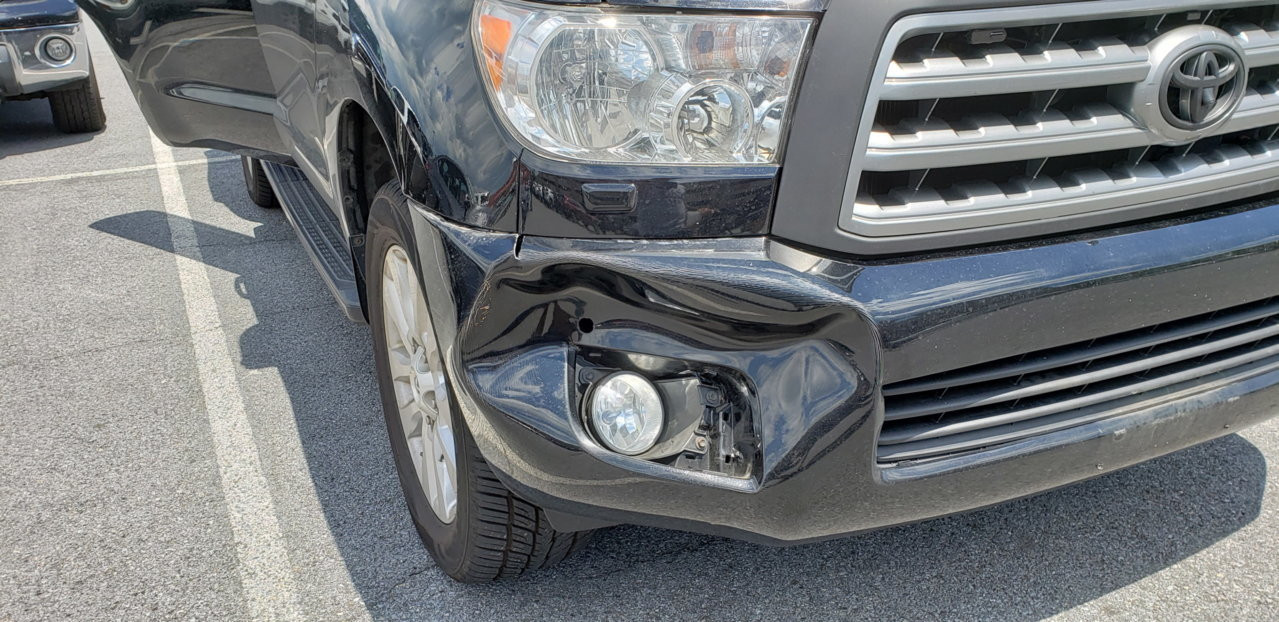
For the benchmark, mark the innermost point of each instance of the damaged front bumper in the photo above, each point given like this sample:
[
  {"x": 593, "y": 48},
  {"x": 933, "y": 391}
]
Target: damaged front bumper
[{"x": 788, "y": 351}]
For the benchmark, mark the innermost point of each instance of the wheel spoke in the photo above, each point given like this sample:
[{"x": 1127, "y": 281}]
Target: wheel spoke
[
  {"x": 399, "y": 326},
  {"x": 404, "y": 395},
  {"x": 401, "y": 362},
  {"x": 426, "y": 471},
  {"x": 400, "y": 369},
  {"x": 414, "y": 424},
  {"x": 445, "y": 444},
  {"x": 445, "y": 472},
  {"x": 420, "y": 384},
  {"x": 408, "y": 299},
  {"x": 430, "y": 383},
  {"x": 423, "y": 328}
]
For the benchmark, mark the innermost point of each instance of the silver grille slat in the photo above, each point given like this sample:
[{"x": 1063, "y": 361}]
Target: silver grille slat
[
  {"x": 1260, "y": 45},
  {"x": 980, "y": 203},
  {"x": 1000, "y": 139},
  {"x": 1256, "y": 110},
  {"x": 1035, "y": 135},
  {"x": 1009, "y": 72},
  {"x": 945, "y": 83}
]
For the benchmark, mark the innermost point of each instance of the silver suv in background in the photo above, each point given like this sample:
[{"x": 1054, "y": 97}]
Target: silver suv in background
[{"x": 44, "y": 53}]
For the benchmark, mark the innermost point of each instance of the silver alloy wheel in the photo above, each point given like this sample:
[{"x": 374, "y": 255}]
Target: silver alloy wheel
[{"x": 421, "y": 386}]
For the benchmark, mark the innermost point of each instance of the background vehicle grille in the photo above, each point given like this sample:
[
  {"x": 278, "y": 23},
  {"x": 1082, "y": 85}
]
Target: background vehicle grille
[
  {"x": 1040, "y": 392},
  {"x": 986, "y": 118}
]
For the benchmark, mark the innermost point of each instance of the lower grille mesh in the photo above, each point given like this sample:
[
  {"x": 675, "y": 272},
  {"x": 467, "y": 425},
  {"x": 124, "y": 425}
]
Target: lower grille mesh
[{"x": 1012, "y": 399}]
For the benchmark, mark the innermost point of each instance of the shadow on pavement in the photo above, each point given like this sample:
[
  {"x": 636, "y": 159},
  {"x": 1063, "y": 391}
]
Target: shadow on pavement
[
  {"x": 27, "y": 127},
  {"x": 1022, "y": 560}
]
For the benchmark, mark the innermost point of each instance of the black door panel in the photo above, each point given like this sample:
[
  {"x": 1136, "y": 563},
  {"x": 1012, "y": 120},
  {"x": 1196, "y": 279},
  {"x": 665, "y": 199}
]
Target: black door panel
[
  {"x": 287, "y": 32},
  {"x": 197, "y": 70}
]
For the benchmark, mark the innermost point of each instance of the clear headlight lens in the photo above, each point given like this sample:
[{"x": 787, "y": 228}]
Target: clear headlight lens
[{"x": 590, "y": 85}]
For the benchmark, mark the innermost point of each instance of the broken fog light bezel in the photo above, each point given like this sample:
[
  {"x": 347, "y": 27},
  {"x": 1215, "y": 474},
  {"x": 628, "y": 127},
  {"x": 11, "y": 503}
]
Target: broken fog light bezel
[{"x": 710, "y": 410}]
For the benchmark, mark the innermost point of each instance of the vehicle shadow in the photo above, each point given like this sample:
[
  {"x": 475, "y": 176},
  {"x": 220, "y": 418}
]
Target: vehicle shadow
[
  {"x": 1023, "y": 560},
  {"x": 27, "y": 127}
]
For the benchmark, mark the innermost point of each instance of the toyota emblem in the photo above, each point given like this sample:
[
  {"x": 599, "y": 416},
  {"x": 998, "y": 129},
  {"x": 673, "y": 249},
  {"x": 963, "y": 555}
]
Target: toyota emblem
[{"x": 1203, "y": 86}]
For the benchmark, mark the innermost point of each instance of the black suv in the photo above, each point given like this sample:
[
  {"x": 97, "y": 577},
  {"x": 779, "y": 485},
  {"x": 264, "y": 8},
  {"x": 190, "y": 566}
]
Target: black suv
[{"x": 781, "y": 270}]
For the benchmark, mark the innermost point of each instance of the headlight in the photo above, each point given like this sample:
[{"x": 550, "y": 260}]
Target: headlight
[{"x": 591, "y": 85}]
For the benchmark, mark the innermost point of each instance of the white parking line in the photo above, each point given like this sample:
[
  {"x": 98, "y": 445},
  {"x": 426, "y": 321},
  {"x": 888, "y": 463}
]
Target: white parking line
[
  {"x": 266, "y": 574},
  {"x": 111, "y": 171}
]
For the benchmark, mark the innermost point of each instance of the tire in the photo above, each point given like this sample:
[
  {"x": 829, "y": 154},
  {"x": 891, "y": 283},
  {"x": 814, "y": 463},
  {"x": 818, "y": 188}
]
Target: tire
[
  {"x": 493, "y": 534},
  {"x": 78, "y": 110},
  {"x": 255, "y": 181}
]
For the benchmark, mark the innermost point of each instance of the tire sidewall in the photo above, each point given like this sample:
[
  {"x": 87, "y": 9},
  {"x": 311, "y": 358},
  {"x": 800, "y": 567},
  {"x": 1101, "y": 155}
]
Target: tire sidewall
[{"x": 389, "y": 224}]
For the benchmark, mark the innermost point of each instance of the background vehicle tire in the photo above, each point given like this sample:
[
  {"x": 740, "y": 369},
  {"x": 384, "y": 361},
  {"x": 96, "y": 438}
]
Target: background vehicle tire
[
  {"x": 255, "y": 181},
  {"x": 488, "y": 533},
  {"x": 78, "y": 110}
]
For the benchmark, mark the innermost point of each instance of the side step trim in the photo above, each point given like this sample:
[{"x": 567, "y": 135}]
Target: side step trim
[{"x": 318, "y": 228}]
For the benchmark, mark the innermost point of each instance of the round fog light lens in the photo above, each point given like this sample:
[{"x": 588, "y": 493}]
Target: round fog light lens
[
  {"x": 626, "y": 412},
  {"x": 57, "y": 49}
]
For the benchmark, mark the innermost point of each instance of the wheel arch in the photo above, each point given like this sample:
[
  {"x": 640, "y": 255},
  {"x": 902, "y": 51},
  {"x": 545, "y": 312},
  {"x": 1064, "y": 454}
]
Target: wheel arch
[{"x": 376, "y": 140}]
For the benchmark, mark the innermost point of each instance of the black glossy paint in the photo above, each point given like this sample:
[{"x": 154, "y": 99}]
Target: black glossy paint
[
  {"x": 197, "y": 70},
  {"x": 32, "y": 13},
  {"x": 814, "y": 337},
  {"x": 515, "y": 264},
  {"x": 454, "y": 155},
  {"x": 670, "y": 202},
  {"x": 286, "y": 32},
  {"x": 279, "y": 79}
]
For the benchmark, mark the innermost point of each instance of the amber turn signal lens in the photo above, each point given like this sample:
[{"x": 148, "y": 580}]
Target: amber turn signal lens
[{"x": 495, "y": 35}]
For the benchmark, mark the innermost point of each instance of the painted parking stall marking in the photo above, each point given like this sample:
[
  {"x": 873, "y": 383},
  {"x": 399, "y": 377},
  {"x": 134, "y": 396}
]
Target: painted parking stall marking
[{"x": 266, "y": 574}]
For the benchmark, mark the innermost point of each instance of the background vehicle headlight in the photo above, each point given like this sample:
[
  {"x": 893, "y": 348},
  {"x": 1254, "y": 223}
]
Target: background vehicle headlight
[
  {"x": 593, "y": 85},
  {"x": 626, "y": 412}
]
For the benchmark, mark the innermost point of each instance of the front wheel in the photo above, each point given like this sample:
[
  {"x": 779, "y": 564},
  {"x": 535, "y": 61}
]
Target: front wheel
[
  {"x": 78, "y": 110},
  {"x": 257, "y": 184},
  {"x": 476, "y": 529}
]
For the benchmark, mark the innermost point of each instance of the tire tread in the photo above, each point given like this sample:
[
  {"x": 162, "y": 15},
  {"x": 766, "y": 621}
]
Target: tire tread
[
  {"x": 257, "y": 184},
  {"x": 510, "y": 536},
  {"x": 78, "y": 110}
]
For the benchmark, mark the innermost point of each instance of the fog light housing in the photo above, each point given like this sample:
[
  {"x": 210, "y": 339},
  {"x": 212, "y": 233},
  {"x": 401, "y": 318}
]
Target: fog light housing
[
  {"x": 58, "y": 49},
  {"x": 626, "y": 413}
]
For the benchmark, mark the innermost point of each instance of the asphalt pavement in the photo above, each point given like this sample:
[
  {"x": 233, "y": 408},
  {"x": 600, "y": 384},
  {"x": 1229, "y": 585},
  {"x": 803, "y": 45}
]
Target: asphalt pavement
[{"x": 190, "y": 429}]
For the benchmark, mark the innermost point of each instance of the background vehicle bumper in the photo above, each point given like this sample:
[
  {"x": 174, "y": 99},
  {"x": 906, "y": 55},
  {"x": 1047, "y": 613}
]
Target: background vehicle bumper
[
  {"x": 25, "y": 71},
  {"x": 816, "y": 337}
]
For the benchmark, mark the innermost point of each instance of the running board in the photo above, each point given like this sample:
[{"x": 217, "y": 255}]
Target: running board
[{"x": 320, "y": 232}]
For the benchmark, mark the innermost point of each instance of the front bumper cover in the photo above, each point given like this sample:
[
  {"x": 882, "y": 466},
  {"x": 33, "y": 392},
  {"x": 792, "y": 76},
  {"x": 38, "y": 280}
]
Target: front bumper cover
[
  {"x": 24, "y": 69},
  {"x": 814, "y": 338}
]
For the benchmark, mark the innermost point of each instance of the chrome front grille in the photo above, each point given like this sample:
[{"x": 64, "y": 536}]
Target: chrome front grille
[
  {"x": 1005, "y": 116},
  {"x": 1009, "y": 400}
]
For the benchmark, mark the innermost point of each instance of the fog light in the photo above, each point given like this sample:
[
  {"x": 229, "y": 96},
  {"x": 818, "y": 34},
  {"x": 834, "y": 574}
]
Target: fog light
[
  {"x": 58, "y": 49},
  {"x": 626, "y": 412}
]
